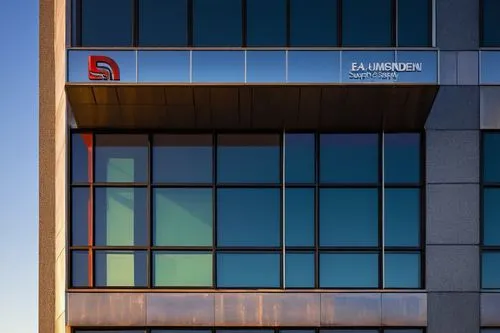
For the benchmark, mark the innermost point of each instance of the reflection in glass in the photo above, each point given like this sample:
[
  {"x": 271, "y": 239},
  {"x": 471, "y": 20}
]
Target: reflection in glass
[
  {"x": 120, "y": 216},
  {"x": 121, "y": 158},
  {"x": 376, "y": 27},
  {"x": 299, "y": 216},
  {"x": 491, "y": 25},
  {"x": 218, "y": 66},
  {"x": 349, "y": 158},
  {"x": 266, "y": 66},
  {"x": 248, "y": 159},
  {"x": 163, "y": 66},
  {"x": 81, "y": 157},
  {"x": 120, "y": 268},
  {"x": 182, "y": 159},
  {"x": 113, "y": 331},
  {"x": 163, "y": 23},
  {"x": 81, "y": 212},
  {"x": 414, "y": 17},
  {"x": 266, "y": 23},
  {"x": 491, "y": 216},
  {"x": 299, "y": 270},
  {"x": 348, "y": 270},
  {"x": 217, "y": 23},
  {"x": 79, "y": 269},
  {"x": 402, "y": 270},
  {"x": 491, "y": 164},
  {"x": 490, "y": 272},
  {"x": 402, "y": 158},
  {"x": 349, "y": 331},
  {"x": 299, "y": 158},
  {"x": 348, "y": 217},
  {"x": 248, "y": 270},
  {"x": 182, "y": 269},
  {"x": 313, "y": 22},
  {"x": 107, "y": 22},
  {"x": 402, "y": 217},
  {"x": 313, "y": 66},
  {"x": 182, "y": 217},
  {"x": 248, "y": 217},
  {"x": 181, "y": 331}
]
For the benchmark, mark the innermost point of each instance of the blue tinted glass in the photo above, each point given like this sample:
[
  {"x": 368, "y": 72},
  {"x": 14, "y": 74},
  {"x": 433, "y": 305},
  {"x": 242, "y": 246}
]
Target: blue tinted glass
[
  {"x": 414, "y": 20},
  {"x": 349, "y": 331},
  {"x": 348, "y": 270},
  {"x": 266, "y": 66},
  {"x": 113, "y": 331},
  {"x": 313, "y": 66},
  {"x": 349, "y": 158},
  {"x": 81, "y": 155},
  {"x": 296, "y": 331},
  {"x": 163, "y": 66},
  {"x": 81, "y": 211},
  {"x": 217, "y": 22},
  {"x": 248, "y": 270},
  {"x": 248, "y": 159},
  {"x": 266, "y": 22},
  {"x": 299, "y": 270},
  {"x": 491, "y": 24},
  {"x": 491, "y": 216},
  {"x": 107, "y": 22},
  {"x": 163, "y": 23},
  {"x": 402, "y": 270},
  {"x": 313, "y": 22},
  {"x": 218, "y": 66},
  {"x": 491, "y": 153},
  {"x": 248, "y": 217},
  {"x": 490, "y": 274},
  {"x": 79, "y": 269},
  {"x": 299, "y": 216},
  {"x": 401, "y": 158},
  {"x": 348, "y": 217},
  {"x": 181, "y": 331},
  {"x": 182, "y": 159},
  {"x": 375, "y": 29},
  {"x": 244, "y": 331},
  {"x": 490, "y": 330},
  {"x": 121, "y": 158},
  {"x": 424, "y": 70},
  {"x": 402, "y": 217},
  {"x": 121, "y": 268},
  {"x": 358, "y": 67},
  {"x": 299, "y": 158}
]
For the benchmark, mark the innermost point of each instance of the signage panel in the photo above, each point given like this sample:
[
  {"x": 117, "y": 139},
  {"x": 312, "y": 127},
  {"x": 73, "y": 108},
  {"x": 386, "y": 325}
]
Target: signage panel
[{"x": 102, "y": 66}]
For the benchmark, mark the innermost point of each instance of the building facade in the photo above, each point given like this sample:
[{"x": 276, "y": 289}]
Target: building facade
[{"x": 262, "y": 166}]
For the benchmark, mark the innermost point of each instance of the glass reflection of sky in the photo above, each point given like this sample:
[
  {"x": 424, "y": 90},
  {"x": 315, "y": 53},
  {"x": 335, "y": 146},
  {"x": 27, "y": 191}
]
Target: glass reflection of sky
[
  {"x": 429, "y": 66},
  {"x": 491, "y": 165},
  {"x": 163, "y": 66},
  {"x": 348, "y": 270},
  {"x": 78, "y": 65},
  {"x": 266, "y": 66},
  {"x": 402, "y": 158},
  {"x": 218, "y": 66},
  {"x": 249, "y": 270},
  {"x": 402, "y": 270},
  {"x": 299, "y": 216},
  {"x": 490, "y": 69},
  {"x": 490, "y": 270},
  {"x": 402, "y": 217},
  {"x": 313, "y": 66},
  {"x": 299, "y": 270},
  {"x": 491, "y": 216}
]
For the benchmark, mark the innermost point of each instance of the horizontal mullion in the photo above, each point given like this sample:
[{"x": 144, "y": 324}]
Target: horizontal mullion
[
  {"x": 491, "y": 185},
  {"x": 349, "y": 185},
  {"x": 182, "y": 185},
  {"x": 96, "y": 185},
  {"x": 349, "y": 249},
  {"x": 403, "y": 185},
  {"x": 80, "y": 184},
  {"x": 182, "y": 248},
  {"x": 119, "y": 248},
  {"x": 249, "y": 249},
  {"x": 490, "y": 248},
  {"x": 249, "y": 185},
  {"x": 300, "y": 185},
  {"x": 300, "y": 249},
  {"x": 402, "y": 249}
]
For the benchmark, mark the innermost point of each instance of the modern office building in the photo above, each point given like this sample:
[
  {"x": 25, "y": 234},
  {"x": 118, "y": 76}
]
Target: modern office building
[{"x": 260, "y": 166}]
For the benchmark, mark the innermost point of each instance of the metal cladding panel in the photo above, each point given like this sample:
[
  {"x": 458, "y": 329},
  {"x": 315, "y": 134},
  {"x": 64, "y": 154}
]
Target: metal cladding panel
[
  {"x": 351, "y": 309},
  {"x": 178, "y": 309},
  {"x": 399, "y": 309}
]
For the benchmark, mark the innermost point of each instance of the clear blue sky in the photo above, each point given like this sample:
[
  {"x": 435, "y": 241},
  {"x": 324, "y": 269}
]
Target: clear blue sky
[{"x": 19, "y": 166}]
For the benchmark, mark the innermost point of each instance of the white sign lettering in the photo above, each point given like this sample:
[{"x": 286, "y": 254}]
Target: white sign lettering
[{"x": 382, "y": 70}]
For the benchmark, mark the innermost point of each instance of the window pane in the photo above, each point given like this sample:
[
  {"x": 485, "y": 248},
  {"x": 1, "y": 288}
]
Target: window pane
[
  {"x": 248, "y": 217},
  {"x": 181, "y": 331},
  {"x": 120, "y": 216},
  {"x": 248, "y": 159},
  {"x": 121, "y": 268},
  {"x": 402, "y": 217},
  {"x": 313, "y": 22},
  {"x": 491, "y": 165},
  {"x": 266, "y": 23},
  {"x": 217, "y": 23},
  {"x": 299, "y": 216},
  {"x": 402, "y": 158},
  {"x": 183, "y": 217},
  {"x": 491, "y": 25},
  {"x": 375, "y": 19},
  {"x": 402, "y": 330},
  {"x": 299, "y": 270},
  {"x": 490, "y": 270},
  {"x": 79, "y": 269},
  {"x": 349, "y": 158},
  {"x": 349, "y": 331},
  {"x": 348, "y": 217},
  {"x": 299, "y": 158},
  {"x": 491, "y": 216},
  {"x": 248, "y": 270},
  {"x": 182, "y": 269},
  {"x": 163, "y": 23},
  {"x": 107, "y": 22},
  {"x": 81, "y": 211},
  {"x": 182, "y": 159},
  {"x": 121, "y": 158},
  {"x": 107, "y": 331},
  {"x": 414, "y": 18},
  {"x": 348, "y": 270},
  {"x": 402, "y": 270},
  {"x": 81, "y": 157}
]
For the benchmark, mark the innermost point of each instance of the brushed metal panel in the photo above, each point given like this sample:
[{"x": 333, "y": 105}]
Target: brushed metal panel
[
  {"x": 490, "y": 309},
  {"x": 180, "y": 309},
  {"x": 267, "y": 309},
  {"x": 179, "y": 95},
  {"x": 106, "y": 309},
  {"x": 145, "y": 95},
  {"x": 105, "y": 95},
  {"x": 351, "y": 309},
  {"x": 80, "y": 95},
  {"x": 404, "y": 309}
]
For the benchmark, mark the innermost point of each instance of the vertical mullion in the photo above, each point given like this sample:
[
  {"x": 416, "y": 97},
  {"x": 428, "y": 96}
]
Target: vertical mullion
[
  {"x": 78, "y": 23},
  {"x": 91, "y": 215},
  {"x": 316, "y": 206},
  {"x": 283, "y": 208},
  {"x": 190, "y": 23},
  {"x": 214, "y": 210},
  {"x": 423, "y": 204},
  {"x": 135, "y": 23},
  {"x": 149, "y": 212},
  {"x": 381, "y": 200},
  {"x": 244, "y": 23},
  {"x": 339, "y": 23},
  {"x": 288, "y": 23}
]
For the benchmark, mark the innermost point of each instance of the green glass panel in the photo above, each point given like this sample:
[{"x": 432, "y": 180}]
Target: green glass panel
[
  {"x": 120, "y": 170},
  {"x": 183, "y": 217},
  {"x": 120, "y": 216},
  {"x": 120, "y": 269},
  {"x": 175, "y": 269}
]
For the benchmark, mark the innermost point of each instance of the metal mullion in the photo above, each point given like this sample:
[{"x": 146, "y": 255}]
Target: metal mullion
[
  {"x": 149, "y": 214},
  {"x": 182, "y": 248},
  {"x": 288, "y": 23},
  {"x": 316, "y": 207},
  {"x": 79, "y": 22},
  {"x": 182, "y": 185},
  {"x": 350, "y": 186},
  {"x": 250, "y": 185},
  {"x": 394, "y": 23},
  {"x": 135, "y": 23},
  {"x": 214, "y": 210},
  {"x": 249, "y": 249},
  {"x": 190, "y": 23},
  {"x": 120, "y": 248},
  {"x": 91, "y": 225},
  {"x": 244, "y": 23},
  {"x": 339, "y": 23},
  {"x": 381, "y": 215},
  {"x": 423, "y": 205},
  {"x": 282, "y": 211},
  {"x": 120, "y": 185}
]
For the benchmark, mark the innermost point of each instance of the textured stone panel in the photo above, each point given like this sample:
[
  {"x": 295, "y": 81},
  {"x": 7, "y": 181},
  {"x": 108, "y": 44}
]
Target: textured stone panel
[{"x": 453, "y": 312}]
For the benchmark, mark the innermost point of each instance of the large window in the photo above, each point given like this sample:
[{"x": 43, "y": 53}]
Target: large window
[
  {"x": 490, "y": 25},
  {"x": 262, "y": 210},
  {"x": 253, "y": 23}
]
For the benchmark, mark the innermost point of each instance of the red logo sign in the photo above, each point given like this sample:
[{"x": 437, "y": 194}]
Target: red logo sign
[{"x": 103, "y": 68}]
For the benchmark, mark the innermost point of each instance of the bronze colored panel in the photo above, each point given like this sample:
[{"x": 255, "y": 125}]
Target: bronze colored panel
[
  {"x": 404, "y": 309},
  {"x": 177, "y": 309},
  {"x": 105, "y": 95},
  {"x": 145, "y": 95},
  {"x": 106, "y": 309},
  {"x": 203, "y": 112},
  {"x": 291, "y": 111},
  {"x": 180, "y": 116},
  {"x": 179, "y": 95},
  {"x": 267, "y": 309},
  {"x": 145, "y": 116},
  {"x": 331, "y": 104},
  {"x": 224, "y": 106},
  {"x": 490, "y": 309},
  {"x": 351, "y": 309},
  {"x": 245, "y": 107},
  {"x": 269, "y": 107},
  {"x": 309, "y": 107},
  {"x": 80, "y": 95}
]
